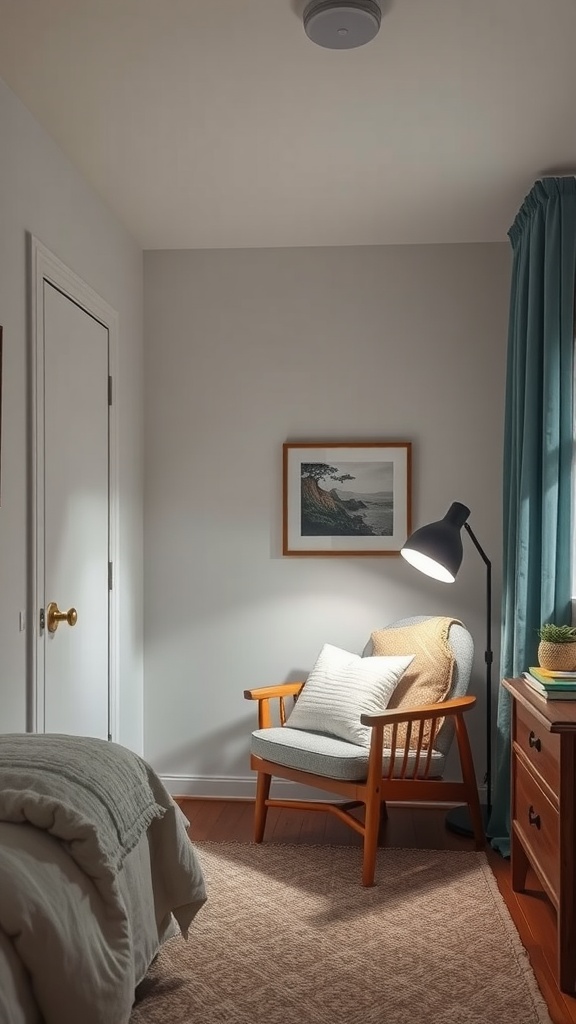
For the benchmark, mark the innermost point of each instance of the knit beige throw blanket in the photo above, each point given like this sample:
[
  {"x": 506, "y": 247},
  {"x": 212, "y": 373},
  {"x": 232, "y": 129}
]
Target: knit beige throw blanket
[{"x": 428, "y": 678}]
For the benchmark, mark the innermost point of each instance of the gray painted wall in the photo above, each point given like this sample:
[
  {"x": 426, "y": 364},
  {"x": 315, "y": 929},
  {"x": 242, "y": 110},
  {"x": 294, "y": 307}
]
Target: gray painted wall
[
  {"x": 41, "y": 193},
  {"x": 246, "y": 349}
]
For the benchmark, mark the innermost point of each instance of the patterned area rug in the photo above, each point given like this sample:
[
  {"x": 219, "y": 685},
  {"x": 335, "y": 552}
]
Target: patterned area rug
[{"x": 289, "y": 936}]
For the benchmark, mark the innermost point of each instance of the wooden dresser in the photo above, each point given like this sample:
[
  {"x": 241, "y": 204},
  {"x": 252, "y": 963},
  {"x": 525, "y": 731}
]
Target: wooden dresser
[{"x": 543, "y": 811}]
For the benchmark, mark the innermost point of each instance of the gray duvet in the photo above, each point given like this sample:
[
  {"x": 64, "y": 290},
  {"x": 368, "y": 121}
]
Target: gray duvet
[{"x": 83, "y": 910}]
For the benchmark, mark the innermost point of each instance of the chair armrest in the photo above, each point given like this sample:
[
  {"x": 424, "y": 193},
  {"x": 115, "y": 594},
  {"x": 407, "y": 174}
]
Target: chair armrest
[
  {"x": 281, "y": 690},
  {"x": 422, "y": 743},
  {"x": 264, "y": 694},
  {"x": 424, "y": 711}
]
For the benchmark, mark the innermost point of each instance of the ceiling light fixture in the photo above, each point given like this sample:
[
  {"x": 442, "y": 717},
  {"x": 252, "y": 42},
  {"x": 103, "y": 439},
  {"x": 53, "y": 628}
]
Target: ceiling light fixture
[{"x": 342, "y": 24}]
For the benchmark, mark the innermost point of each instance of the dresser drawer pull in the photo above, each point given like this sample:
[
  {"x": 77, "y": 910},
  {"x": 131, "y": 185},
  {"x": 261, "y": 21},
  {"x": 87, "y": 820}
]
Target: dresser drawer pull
[
  {"x": 533, "y": 741},
  {"x": 533, "y": 818}
]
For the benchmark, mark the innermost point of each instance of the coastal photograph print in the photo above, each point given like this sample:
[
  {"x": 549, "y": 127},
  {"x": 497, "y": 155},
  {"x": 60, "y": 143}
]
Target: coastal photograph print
[{"x": 348, "y": 498}]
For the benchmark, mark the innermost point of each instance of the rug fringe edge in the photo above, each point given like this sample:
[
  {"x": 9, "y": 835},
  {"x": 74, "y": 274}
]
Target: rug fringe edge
[{"x": 540, "y": 1005}]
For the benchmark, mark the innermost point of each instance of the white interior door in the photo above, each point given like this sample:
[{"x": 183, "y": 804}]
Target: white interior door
[
  {"x": 74, "y": 656},
  {"x": 72, "y": 670},
  {"x": 72, "y": 600}
]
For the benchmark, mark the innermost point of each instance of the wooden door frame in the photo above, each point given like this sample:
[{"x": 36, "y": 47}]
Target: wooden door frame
[{"x": 45, "y": 266}]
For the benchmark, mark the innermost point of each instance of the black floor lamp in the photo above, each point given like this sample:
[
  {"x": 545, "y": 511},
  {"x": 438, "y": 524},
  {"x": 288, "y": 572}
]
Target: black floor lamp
[{"x": 436, "y": 550}]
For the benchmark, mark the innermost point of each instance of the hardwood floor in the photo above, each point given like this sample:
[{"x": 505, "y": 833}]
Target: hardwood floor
[{"x": 411, "y": 827}]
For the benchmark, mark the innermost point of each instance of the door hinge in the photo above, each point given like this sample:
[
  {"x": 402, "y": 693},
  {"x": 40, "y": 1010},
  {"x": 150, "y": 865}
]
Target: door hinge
[
  {"x": 110, "y": 576},
  {"x": 109, "y": 390}
]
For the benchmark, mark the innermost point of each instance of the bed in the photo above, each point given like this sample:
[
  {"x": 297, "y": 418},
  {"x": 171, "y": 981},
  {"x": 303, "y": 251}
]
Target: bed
[{"x": 96, "y": 871}]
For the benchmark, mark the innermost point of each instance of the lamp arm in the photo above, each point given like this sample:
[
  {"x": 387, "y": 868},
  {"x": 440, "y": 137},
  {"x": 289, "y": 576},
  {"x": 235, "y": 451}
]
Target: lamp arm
[{"x": 488, "y": 658}]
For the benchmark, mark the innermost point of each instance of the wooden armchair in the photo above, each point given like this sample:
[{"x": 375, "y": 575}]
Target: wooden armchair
[{"x": 404, "y": 762}]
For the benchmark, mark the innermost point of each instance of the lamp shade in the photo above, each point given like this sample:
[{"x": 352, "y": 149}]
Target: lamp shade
[{"x": 436, "y": 549}]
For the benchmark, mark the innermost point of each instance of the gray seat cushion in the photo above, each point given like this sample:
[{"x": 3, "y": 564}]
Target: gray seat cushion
[{"x": 325, "y": 755}]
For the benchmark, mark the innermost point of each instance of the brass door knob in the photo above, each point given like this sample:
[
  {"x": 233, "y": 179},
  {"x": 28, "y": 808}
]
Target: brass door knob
[{"x": 54, "y": 617}]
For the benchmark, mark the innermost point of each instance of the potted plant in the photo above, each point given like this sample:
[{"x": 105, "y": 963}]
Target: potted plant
[{"x": 557, "y": 647}]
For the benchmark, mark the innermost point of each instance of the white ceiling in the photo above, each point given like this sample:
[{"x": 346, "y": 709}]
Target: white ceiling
[{"x": 217, "y": 123}]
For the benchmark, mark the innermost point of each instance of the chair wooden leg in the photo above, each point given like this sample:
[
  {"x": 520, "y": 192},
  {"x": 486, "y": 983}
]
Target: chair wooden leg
[
  {"x": 382, "y": 824},
  {"x": 371, "y": 829},
  {"x": 469, "y": 777},
  {"x": 260, "y": 809}
]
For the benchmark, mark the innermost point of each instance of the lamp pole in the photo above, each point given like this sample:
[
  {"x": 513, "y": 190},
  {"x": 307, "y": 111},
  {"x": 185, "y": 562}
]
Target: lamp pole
[
  {"x": 488, "y": 658},
  {"x": 436, "y": 550},
  {"x": 458, "y": 820}
]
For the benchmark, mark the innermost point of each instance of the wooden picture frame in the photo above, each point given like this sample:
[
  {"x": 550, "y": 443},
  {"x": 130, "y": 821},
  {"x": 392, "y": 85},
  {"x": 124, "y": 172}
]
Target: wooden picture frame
[{"x": 346, "y": 498}]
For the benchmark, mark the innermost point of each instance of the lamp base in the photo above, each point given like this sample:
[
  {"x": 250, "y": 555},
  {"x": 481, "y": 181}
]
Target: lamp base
[{"x": 458, "y": 820}]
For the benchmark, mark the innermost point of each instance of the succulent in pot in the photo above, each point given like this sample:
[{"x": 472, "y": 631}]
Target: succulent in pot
[{"x": 557, "y": 647}]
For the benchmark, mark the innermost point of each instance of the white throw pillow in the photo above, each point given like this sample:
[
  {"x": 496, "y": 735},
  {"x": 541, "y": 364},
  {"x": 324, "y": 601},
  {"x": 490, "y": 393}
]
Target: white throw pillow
[{"x": 343, "y": 686}]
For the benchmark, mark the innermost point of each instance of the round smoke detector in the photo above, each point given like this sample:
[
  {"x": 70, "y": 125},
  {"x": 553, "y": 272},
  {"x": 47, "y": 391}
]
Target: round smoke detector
[{"x": 342, "y": 24}]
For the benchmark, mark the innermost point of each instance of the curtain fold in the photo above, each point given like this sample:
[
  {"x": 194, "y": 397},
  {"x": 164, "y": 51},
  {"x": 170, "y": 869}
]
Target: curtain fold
[{"x": 538, "y": 449}]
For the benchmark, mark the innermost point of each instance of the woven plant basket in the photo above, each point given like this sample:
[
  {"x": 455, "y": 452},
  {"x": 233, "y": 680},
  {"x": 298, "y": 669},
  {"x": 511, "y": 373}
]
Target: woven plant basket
[{"x": 557, "y": 657}]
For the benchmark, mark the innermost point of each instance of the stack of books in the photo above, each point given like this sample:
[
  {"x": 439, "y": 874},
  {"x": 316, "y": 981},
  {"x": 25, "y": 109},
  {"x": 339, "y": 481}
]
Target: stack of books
[{"x": 552, "y": 685}]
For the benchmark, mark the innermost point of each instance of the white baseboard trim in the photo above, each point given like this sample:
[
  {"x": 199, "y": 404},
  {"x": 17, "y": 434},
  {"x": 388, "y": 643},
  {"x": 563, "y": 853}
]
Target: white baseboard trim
[{"x": 236, "y": 787}]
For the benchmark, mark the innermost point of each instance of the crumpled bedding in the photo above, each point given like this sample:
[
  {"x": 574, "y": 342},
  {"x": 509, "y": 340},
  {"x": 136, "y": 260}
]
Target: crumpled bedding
[
  {"x": 76, "y": 939},
  {"x": 94, "y": 795}
]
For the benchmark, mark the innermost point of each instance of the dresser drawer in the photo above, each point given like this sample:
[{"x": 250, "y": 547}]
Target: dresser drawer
[
  {"x": 544, "y": 810},
  {"x": 536, "y": 821},
  {"x": 540, "y": 747}
]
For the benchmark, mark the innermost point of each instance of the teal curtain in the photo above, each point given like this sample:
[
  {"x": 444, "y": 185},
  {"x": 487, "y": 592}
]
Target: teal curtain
[{"x": 538, "y": 445}]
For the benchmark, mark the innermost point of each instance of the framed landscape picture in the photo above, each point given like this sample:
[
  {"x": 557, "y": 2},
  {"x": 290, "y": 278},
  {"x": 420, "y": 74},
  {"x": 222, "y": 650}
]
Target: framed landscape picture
[{"x": 348, "y": 498}]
